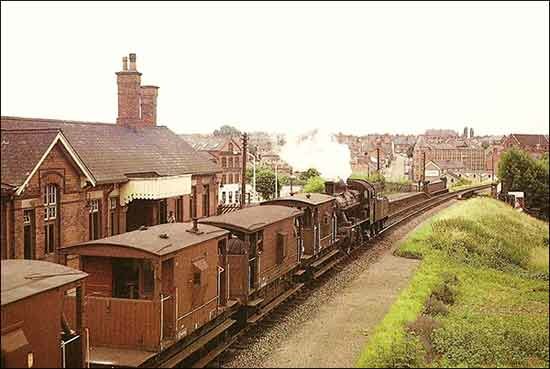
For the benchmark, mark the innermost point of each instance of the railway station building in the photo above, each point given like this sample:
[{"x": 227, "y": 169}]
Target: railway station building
[{"x": 66, "y": 182}]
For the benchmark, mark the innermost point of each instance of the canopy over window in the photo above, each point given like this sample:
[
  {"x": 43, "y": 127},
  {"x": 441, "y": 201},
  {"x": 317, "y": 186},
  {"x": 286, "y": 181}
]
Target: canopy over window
[{"x": 155, "y": 188}]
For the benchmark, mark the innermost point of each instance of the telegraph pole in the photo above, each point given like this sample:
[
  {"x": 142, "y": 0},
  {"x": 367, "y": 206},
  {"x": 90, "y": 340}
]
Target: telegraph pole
[
  {"x": 378, "y": 160},
  {"x": 243, "y": 176},
  {"x": 493, "y": 164}
]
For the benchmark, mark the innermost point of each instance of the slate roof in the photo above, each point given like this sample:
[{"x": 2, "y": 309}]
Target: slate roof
[
  {"x": 21, "y": 151},
  {"x": 253, "y": 218},
  {"x": 25, "y": 278},
  {"x": 148, "y": 240},
  {"x": 112, "y": 152}
]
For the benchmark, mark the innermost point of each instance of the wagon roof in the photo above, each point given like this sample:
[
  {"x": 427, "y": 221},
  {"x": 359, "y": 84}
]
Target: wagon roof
[
  {"x": 313, "y": 198},
  {"x": 150, "y": 240},
  {"x": 253, "y": 218},
  {"x": 25, "y": 278}
]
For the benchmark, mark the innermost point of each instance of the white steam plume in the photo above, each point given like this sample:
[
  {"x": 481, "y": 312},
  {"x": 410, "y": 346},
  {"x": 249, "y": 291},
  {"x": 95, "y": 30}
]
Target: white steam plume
[{"x": 319, "y": 150}]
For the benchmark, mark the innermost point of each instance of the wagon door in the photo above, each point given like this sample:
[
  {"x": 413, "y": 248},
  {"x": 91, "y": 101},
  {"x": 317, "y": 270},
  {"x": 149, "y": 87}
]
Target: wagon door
[{"x": 168, "y": 310}]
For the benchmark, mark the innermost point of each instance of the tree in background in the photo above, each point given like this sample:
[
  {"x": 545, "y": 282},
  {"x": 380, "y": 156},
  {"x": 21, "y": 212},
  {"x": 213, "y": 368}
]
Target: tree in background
[
  {"x": 315, "y": 184},
  {"x": 520, "y": 172},
  {"x": 311, "y": 172},
  {"x": 227, "y": 130},
  {"x": 265, "y": 181}
]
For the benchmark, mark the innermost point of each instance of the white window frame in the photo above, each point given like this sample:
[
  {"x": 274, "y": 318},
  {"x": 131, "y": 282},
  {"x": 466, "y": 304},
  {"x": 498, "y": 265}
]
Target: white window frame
[
  {"x": 50, "y": 202},
  {"x": 94, "y": 206}
]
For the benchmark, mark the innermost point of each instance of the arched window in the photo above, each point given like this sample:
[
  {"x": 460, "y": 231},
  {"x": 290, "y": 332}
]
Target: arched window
[
  {"x": 50, "y": 218},
  {"x": 230, "y": 147}
]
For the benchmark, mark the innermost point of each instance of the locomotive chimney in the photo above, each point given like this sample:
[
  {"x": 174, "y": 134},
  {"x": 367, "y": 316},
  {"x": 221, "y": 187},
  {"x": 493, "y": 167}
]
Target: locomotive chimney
[{"x": 330, "y": 187}]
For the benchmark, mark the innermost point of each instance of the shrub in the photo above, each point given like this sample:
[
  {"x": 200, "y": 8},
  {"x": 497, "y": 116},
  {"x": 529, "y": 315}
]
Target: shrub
[
  {"x": 435, "y": 306},
  {"x": 445, "y": 293}
]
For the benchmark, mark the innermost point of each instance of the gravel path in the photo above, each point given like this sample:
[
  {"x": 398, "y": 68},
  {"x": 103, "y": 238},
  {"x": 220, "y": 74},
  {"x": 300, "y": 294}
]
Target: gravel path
[{"x": 331, "y": 326}]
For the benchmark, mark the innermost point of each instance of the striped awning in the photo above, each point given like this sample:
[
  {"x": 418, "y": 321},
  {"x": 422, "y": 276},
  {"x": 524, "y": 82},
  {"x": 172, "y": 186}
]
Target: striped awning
[{"x": 155, "y": 188}]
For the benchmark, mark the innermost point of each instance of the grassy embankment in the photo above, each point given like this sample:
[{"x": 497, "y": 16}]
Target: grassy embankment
[
  {"x": 465, "y": 183},
  {"x": 479, "y": 298}
]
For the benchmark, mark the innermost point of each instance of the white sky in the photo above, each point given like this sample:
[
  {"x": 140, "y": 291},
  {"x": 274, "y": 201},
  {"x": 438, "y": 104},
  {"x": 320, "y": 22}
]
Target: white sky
[{"x": 360, "y": 68}]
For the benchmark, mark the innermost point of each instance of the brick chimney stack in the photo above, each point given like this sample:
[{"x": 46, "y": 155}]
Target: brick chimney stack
[
  {"x": 149, "y": 105},
  {"x": 129, "y": 83},
  {"x": 137, "y": 105}
]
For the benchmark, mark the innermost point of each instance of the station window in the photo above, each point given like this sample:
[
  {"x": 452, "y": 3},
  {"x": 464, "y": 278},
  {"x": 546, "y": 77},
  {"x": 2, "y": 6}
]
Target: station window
[
  {"x": 94, "y": 223},
  {"x": 50, "y": 217},
  {"x": 113, "y": 215}
]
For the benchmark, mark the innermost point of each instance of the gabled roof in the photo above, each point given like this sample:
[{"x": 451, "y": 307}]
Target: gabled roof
[
  {"x": 530, "y": 140},
  {"x": 25, "y": 278},
  {"x": 148, "y": 240},
  {"x": 253, "y": 218},
  {"x": 23, "y": 151},
  {"x": 111, "y": 152}
]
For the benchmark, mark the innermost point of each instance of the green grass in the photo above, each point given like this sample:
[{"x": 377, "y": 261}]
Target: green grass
[
  {"x": 498, "y": 259},
  {"x": 464, "y": 184}
]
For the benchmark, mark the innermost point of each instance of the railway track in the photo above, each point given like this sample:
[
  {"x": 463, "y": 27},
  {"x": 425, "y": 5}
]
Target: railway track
[{"x": 241, "y": 340}]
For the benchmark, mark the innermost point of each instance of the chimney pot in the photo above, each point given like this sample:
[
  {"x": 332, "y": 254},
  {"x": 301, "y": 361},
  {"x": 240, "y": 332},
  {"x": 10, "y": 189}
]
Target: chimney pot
[
  {"x": 132, "y": 62},
  {"x": 125, "y": 63}
]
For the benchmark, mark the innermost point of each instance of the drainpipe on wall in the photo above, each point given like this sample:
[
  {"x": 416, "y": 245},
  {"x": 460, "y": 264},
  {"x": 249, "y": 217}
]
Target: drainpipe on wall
[{"x": 12, "y": 214}]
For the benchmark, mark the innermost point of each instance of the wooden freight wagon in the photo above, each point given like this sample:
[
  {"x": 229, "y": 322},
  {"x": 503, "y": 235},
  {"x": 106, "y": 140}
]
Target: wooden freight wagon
[
  {"x": 35, "y": 330},
  {"x": 156, "y": 296},
  {"x": 319, "y": 228},
  {"x": 263, "y": 252}
]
